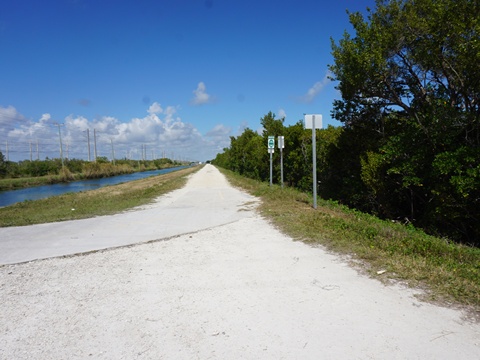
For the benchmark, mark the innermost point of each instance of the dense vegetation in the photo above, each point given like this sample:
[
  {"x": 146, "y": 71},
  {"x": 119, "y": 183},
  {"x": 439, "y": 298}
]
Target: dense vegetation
[{"x": 409, "y": 149}]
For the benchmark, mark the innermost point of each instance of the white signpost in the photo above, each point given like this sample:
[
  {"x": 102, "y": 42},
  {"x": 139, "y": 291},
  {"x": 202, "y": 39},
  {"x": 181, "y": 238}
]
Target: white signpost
[
  {"x": 271, "y": 150},
  {"x": 314, "y": 122},
  {"x": 281, "y": 145}
]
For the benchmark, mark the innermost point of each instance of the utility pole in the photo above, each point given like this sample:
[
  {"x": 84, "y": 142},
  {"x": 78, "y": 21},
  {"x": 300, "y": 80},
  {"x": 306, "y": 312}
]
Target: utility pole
[
  {"x": 88, "y": 142},
  {"x": 95, "y": 144},
  {"x": 113, "y": 152},
  {"x": 38, "y": 154},
  {"x": 6, "y": 149},
  {"x": 30, "y": 150},
  {"x": 61, "y": 147}
]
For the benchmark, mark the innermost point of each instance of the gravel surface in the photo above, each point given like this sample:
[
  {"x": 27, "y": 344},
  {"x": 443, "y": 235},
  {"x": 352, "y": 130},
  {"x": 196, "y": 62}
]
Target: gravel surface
[{"x": 237, "y": 289}]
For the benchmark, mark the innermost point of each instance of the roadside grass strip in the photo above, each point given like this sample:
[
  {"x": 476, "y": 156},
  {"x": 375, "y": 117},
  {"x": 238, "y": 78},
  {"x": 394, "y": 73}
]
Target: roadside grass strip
[{"x": 448, "y": 272}]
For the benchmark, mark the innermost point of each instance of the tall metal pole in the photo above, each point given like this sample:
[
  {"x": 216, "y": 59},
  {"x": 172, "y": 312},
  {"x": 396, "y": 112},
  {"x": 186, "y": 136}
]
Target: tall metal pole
[
  {"x": 95, "y": 144},
  {"x": 6, "y": 149},
  {"x": 281, "y": 145},
  {"x": 113, "y": 152},
  {"x": 88, "y": 143},
  {"x": 314, "y": 155},
  {"x": 61, "y": 147},
  {"x": 281, "y": 165},
  {"x": 271, "y": 167}
]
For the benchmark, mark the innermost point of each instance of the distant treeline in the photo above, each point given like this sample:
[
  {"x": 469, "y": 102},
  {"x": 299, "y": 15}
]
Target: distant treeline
[{"x": 54, "y": 170}]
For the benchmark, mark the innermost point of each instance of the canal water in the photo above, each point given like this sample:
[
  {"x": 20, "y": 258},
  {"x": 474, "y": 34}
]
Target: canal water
[{"x": 39, "y": 192}]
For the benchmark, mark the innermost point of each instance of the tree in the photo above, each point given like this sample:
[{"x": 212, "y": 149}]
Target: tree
[
  {"x": 298, "y": 157},
  {"x": 272, "y": 127},
  {"x": 245, "y": 155},
  {"x": 410, "y": 80}
]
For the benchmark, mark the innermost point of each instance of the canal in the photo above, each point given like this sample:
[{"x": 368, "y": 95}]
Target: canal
[{"x": 40, "y": 192}]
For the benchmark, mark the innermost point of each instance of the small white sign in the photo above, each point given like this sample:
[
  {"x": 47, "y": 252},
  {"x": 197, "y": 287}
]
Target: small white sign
[
  {"x": 271, "y": 151},
  {"x": 309, "y": 121},
  {"x": 281, "y": 142}
]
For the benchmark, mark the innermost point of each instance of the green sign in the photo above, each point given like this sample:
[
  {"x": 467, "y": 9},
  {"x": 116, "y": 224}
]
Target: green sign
[{"x": 271, "y": 142}]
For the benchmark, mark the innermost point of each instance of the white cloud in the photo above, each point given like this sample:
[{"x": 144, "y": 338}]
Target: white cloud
[
  {"x": 219, "y": 130},
  {"x": 79, "y": 123},
  {"x": 315, "y": 89},
  {"x": 107, "y": 125},
  {"x": 170, "y": 112},
  {"x": 155, "y": 108},
  {"x": 9, "y": 116},
  {"x": 218, "y": 138},
  {"x": 281, "y": 114},
  {"x": 45, "y": 117},
  {"x": 200, "y": 95},
  {"x": 161, "y": 130},
  {"x": 219, "y": 134}
]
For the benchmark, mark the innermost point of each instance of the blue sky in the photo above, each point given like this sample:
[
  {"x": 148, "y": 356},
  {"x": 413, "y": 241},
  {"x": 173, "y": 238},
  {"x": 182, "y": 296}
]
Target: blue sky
[{"x": 177, "y": 77}]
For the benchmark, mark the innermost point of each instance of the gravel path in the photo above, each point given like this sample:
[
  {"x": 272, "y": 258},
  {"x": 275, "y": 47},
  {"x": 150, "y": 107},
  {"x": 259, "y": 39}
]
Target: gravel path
[{"x": 235, "y": 290}]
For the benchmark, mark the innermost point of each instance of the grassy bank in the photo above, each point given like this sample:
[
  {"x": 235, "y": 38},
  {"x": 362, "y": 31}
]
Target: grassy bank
[
  {"x": 448, "y": 272},
  {"x": 103, "y": 201},
  {"x": 64, "y": 176},
  {"x": 89, "y": 171}
]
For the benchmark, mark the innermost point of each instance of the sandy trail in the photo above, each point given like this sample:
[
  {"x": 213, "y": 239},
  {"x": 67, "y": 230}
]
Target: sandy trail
[
  {"x": 232, "y": 289},
  {"x": 206, "y": 202}
]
